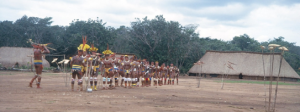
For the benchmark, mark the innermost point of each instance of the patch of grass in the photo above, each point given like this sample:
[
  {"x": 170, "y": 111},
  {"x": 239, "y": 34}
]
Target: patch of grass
[
  {"x": 7, "y": 73},
  {"x": 256, "y": 82},
  {"x": 50, "y": 102}
]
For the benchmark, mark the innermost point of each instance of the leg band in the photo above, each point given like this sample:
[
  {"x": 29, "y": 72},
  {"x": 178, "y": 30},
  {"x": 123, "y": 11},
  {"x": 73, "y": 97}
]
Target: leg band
[{"x": 73, "y": 81}]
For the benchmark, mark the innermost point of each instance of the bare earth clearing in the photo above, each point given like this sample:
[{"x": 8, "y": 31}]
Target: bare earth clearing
[{"x": 55, "y": 97}]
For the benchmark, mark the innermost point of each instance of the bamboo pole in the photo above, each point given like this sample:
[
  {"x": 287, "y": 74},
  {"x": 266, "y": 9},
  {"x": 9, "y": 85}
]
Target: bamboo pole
[
  {"x": 276, "y": 89},
  {"x": 270, "y": 78},
  {"x": 199, "y": 76},
  {"x": 271, "y": 48},
  {"x": 262, "y": 56}
]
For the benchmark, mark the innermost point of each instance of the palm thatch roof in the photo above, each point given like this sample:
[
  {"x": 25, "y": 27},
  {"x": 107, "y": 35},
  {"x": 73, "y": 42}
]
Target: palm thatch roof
[
  {"x": 247, "y": 63},
  {"x": 12, "y": 55}
]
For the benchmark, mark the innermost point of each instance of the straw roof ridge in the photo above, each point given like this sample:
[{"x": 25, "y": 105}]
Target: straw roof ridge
[{"x": 265, "y": 53}]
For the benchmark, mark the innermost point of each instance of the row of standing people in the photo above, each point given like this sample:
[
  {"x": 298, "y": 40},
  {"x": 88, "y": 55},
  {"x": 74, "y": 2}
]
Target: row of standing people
[{"x": 130, "y": 72}]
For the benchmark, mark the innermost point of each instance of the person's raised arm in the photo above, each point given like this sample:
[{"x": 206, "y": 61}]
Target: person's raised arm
[{"x": 46, "y": 51}]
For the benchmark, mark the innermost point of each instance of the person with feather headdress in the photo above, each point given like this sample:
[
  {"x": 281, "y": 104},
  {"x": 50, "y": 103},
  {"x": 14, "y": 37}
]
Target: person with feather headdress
[
  {"x": 84, "y": 48},
  {"x": 38, "y": 51},
  {"x": 95, "y": 61},
  {"x": 126, "y": 65},
  {"x": 108, "y": 66},
  {"x": 77, "y": 65}
]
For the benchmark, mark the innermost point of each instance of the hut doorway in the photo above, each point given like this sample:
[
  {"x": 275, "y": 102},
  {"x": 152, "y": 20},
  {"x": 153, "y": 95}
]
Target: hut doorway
[{"x": 241, "y": 76}]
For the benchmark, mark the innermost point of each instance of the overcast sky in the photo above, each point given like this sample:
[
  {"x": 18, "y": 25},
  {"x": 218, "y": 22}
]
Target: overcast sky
[{"x": 220, "y": 19}]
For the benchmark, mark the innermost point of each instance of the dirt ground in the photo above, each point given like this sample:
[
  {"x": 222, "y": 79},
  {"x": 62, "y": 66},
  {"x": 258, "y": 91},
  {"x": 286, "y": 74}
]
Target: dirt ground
[{"x": 56, "y": 97}]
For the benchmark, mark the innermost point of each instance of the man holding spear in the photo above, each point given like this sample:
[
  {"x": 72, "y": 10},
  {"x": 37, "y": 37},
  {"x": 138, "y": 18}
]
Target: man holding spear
[
  {"x": 84, "y": 55},
  {"x": 38, "y": 51}
]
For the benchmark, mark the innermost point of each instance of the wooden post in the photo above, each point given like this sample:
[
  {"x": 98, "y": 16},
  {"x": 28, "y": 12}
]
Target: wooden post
[
  {"x": 199, "y": 63},
  {"x": 31, "y": 56}
]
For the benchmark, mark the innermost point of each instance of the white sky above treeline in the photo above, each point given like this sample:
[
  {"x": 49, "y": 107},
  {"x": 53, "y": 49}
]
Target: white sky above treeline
[{"x": 217, "y": 19}]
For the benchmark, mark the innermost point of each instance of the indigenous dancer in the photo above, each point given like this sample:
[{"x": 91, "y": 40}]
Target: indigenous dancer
[
  {"x": 135, "y": 70},
  {"x": 121, "y": 70},
  {"x": 177, "y": 71},
  {"x": 147, "y": 74},
  {"x": 76, "y": 64},
  {"x": 95, "y": 61},
  {"x": 85, "y": 47},
  {"x": 156, "y": 74},
  {"x": 142, "y": 72},
  {"x": 172, "y": 74},
  {"x": 38, "y": 51},
  {"x": 108, "y": 66},
  {"x": 164, "y": 72},
  {"x": 127, "y": 70},
  {"x": 168, "y": 75},
  {"x": 151, "y": 72},
  {"x": 115, "y": 69}
]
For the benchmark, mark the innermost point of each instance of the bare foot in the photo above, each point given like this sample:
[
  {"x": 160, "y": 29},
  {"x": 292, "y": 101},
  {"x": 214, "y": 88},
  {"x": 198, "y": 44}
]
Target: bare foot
[{"x": 30, "y": 85}]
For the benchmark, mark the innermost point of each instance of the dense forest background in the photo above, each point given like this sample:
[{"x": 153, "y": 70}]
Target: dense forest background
[{"x": 154, "y": 39}]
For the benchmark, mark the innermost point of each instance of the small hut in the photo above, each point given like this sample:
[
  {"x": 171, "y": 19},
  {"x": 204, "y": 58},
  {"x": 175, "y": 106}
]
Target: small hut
[
  {"x": 10, "y": 56},
  {"x": 247, "y": 65}
]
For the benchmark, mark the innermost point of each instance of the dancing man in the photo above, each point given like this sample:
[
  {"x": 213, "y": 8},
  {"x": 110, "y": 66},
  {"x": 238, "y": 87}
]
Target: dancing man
[
  {"x": 76, "y": 64},
  {"x": 108, "y": 66},
  {"x": 135, "y": 70},
  {"x": 142, "y": 71},
  {"x": 115, "y": 61},
  {"x": 127, "y": 70},
  {"x": 95, "y": 61},
  {"x": 157, "y": 74},
  {"x": 38, "y": 51},
  {"x": 164, "y": 72},
  {"x": 172, "y": 74},
  {"x": 84, "y": 55}
]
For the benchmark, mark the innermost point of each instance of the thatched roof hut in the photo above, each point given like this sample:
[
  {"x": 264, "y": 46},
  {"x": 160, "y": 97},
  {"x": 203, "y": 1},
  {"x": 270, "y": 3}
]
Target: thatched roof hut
[
  {"x": 12, "y": 55},
  {"x": 249, "y": 64}
]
